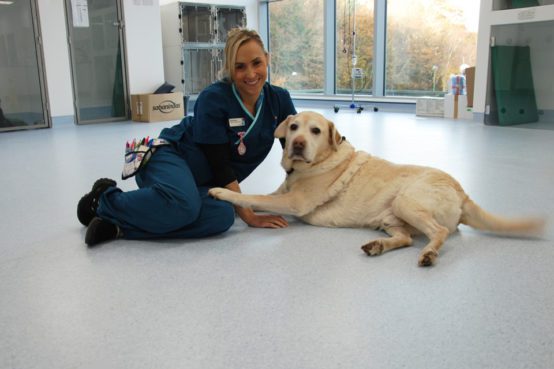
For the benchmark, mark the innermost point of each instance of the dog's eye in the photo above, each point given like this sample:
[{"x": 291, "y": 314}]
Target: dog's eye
[
  {"x": 316, "y": 131},
  {"x": 293, "y": 127}
]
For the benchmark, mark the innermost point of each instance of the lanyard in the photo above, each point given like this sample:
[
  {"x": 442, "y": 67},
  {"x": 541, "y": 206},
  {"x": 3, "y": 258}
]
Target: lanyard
[{"x": 254, "y": 119}]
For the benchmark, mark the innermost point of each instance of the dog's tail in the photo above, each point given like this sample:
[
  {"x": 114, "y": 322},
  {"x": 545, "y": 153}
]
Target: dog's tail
[{"x": 474, "y": 216}]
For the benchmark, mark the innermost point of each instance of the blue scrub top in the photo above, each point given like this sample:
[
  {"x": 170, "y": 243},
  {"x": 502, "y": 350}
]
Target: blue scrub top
[{"x": 218, "y": 117}]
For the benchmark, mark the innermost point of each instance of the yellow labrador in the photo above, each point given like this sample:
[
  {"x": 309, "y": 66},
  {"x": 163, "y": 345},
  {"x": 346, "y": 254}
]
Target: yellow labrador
[{"x": 331, "y": 184}]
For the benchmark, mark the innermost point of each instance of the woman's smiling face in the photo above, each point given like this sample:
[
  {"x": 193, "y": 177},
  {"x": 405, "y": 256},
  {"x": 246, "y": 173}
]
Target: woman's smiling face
[{"x": 250, "y": 70}]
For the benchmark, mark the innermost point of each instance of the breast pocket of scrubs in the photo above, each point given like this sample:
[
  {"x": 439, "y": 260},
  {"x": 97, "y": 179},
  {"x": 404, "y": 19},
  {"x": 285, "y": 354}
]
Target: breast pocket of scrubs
[{"x": 237, "y": 128}]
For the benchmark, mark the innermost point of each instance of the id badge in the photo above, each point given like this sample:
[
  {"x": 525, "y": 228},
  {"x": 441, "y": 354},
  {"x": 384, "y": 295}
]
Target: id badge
[{"x": 236, "y": 122}]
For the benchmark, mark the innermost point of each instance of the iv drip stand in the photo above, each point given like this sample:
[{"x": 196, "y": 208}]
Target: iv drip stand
[{"x": 354, "y": 71}]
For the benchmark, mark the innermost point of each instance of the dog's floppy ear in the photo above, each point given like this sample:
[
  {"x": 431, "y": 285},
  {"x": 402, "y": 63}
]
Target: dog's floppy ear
[
  {"x": 281, "y": 130},
  {"x": 334, "y": 136}
]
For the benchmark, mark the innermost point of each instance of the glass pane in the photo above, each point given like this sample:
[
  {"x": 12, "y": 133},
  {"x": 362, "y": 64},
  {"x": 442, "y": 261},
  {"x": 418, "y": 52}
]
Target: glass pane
[
  {"x": 296, "y": 45},
  {"x": 362, "y": 49},
  {"x": 197, "y": 22},
  {"x": 198, "y": 70},
  {"x": 97, "y": 62},
  {"x": 515, "y": 4},
  {"x": 427, "y": 41},
  {"x": 227, "y": 19},
  {"x": 520, "y": 82},
  {"x": 21, "y": 102}
]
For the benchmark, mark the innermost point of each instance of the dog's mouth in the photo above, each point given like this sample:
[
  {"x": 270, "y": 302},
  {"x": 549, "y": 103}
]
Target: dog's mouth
[
  {"x": 299, "y": 157},
  {"x": 298, "y": 151}
]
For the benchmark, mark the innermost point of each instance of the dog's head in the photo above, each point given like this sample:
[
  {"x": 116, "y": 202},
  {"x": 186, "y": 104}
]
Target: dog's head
[{"x": 309, "y": 138}]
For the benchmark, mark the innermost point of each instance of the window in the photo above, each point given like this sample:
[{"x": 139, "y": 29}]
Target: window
[
  {"x": 296, "y": 45},
  {"x": 427, "y": 41},
  {"x": 362, "y": 72},
  {"x": 402, "y": 47}
]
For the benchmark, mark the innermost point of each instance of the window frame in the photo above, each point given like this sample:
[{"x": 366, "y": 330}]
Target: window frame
[{"x": 329, "y": 42}]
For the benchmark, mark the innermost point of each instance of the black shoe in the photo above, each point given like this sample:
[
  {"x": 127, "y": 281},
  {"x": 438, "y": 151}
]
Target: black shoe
[
  {"x": 100, "y": 230},
  {"x": 86, "y": 209}
]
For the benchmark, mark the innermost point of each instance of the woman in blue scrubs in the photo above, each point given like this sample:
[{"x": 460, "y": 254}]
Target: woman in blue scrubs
[{"x": 230, "y": 134}]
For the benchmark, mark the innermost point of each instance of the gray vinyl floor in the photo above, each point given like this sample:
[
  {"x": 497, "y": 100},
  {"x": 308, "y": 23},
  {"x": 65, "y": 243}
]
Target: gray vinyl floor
[{"x": 301, "y": 297}]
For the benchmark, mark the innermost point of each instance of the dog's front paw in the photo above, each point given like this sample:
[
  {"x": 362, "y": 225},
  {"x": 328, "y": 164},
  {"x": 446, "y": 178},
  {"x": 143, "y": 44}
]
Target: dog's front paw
[{"x": 220, "y": 193}]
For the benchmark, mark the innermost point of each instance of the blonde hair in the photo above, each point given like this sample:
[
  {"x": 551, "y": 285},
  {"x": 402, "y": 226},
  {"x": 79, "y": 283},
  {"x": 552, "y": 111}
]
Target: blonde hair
[{"x": 235, "y": 38}]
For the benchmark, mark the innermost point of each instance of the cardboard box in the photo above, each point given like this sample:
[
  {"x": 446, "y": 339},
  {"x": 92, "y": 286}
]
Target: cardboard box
[
  {"x": 157, "y": 107},
  {"x": 430, "y": 107},
  {"x": 470, "y": 83}
]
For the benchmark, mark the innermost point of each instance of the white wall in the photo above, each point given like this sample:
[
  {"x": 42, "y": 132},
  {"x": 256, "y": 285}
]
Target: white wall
[
  {"x": 56, "y": 57},
  {"x": 143, "y": 32},
  {"x": 144, "y": 50}
]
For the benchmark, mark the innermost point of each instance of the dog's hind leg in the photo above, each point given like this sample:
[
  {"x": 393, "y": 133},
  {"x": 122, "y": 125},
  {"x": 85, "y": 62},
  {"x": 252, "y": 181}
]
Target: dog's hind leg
[
  {"x": 437, "y": 235},
  {"x": 399, "y": 237},
  {"x": 423, "y": 220}
]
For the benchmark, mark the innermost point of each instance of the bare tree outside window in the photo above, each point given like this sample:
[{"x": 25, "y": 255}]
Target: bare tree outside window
[
  {"x": 362, "y": 50},
  {"x": 296, "y": 45},
  {"x": 427, "y": 41}
]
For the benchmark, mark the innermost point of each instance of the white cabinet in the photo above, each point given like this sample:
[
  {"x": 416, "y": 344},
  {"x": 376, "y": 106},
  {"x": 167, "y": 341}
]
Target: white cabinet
[
  {"x": 194, "y": 38},
  {"x": 529, "y": 26}
]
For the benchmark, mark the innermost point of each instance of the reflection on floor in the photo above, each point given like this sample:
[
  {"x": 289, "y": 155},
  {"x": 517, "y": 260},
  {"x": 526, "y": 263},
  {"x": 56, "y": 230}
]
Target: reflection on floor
[{"x": 301, "y": 297}]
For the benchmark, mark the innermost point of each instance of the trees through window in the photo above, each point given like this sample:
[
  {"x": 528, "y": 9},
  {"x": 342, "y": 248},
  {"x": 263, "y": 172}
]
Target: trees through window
[
  {"x": 296, "y": 45},
  {"x": 425, "y": 42}
]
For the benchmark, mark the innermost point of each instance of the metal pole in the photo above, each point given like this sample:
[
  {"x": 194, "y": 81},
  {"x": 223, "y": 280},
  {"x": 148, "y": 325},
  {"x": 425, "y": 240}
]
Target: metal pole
[{"x": 354, "y": 57}]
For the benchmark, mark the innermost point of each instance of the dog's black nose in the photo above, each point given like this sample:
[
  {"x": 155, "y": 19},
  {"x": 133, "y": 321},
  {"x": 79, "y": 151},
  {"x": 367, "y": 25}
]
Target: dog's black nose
[{"x": 298, "y": 147}]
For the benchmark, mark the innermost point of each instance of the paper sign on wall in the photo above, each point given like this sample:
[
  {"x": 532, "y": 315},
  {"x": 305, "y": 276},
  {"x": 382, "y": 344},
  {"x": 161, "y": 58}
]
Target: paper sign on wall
[{"x": 79, "y": 10}]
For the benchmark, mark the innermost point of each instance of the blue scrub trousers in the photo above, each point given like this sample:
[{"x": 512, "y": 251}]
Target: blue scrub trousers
[{"x": 168, "y": 203}]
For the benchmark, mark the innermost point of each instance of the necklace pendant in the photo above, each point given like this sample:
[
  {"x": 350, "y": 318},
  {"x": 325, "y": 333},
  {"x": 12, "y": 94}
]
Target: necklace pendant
[{"x": 241, "y": 148}]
